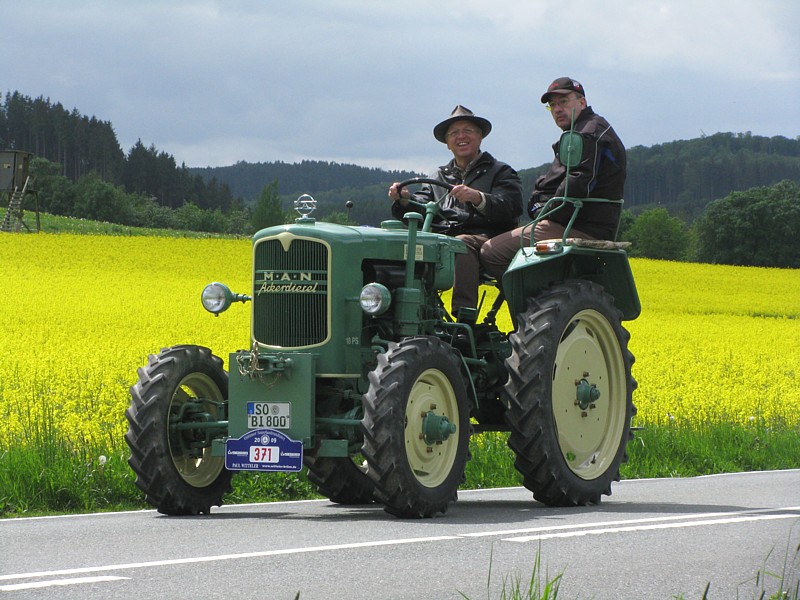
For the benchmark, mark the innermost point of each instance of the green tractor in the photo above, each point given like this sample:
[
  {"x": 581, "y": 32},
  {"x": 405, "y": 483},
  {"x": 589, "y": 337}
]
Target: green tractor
[{"x": 356, "y": 371}]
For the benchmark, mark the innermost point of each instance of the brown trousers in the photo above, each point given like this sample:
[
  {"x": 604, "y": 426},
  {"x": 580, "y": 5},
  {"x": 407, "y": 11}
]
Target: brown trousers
[
  {"x": 467, "y": 272},
  {"x": 497, "y": 253}
]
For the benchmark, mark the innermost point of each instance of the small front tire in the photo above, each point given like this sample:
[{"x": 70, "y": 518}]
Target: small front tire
[
  {"x": 173, "y": 465},
  {"x": 416, "y": 427}
]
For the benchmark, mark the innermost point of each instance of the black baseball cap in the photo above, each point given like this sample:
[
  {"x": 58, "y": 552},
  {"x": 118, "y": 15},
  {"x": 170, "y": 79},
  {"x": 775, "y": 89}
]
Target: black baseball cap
[{"x": 563, "y": 85}]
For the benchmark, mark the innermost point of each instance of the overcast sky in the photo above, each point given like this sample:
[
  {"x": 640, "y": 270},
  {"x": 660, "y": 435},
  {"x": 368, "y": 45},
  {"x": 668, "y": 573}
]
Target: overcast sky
[{"x": 365, "y": 81}]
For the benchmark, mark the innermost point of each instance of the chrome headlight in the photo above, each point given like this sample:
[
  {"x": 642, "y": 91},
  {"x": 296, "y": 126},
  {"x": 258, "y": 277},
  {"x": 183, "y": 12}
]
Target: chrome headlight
[
  {"x": 375, "y": 299},
  {"x": 216, "y": 297}
]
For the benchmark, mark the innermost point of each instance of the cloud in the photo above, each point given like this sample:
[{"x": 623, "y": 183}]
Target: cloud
[{"x": 214, "y": 82}]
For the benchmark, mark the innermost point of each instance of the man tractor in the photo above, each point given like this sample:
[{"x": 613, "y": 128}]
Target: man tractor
[{"x": 356, "y": 371}]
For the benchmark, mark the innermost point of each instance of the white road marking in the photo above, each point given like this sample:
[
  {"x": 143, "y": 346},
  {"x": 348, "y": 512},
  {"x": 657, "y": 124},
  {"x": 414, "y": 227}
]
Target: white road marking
[
  {"x": 675, "y": 521},
  {"x": 628, "y": 522},
  {"x": 51, "y": 582},
  {"x": 202, "y": 559},
  {"x": 698, "y": 523}
]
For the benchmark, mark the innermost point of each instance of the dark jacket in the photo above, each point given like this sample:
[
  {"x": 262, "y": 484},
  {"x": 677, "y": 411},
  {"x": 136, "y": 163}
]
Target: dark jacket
[
  {"x": 499, "y": 183},
  {"x": 600, "y": 174}
]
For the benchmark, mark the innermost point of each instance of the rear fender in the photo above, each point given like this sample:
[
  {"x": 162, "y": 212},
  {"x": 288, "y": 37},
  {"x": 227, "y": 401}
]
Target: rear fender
[{"x": 530, "y": 273}]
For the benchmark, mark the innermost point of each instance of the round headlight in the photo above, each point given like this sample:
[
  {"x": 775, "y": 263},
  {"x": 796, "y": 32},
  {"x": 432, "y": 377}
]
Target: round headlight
[
  {"x": 216, "y": 297},
  {"x": 375, "y": 299}
]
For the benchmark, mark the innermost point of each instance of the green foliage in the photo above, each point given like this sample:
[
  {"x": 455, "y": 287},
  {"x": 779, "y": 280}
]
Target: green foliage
[
  {"x": 56, "y": 192},
  {"x": 80, "y": 145},
  {"x": 370, "y": 204},
  {"x": 96, "y": 199},
  {"x": 626, "y": 221},
  {"x": 147, "y": 188},
  {"x": 48, "y": 477},
  {"x": 341, "y": 218},
  {"x": 101, "y": 201},
  {"x": 685, "y": 175},
  {"x": 268, "y": 210},
  {"x": 757, "y": 227},
  {"x": 538, "y": 587},
  {"x": 655, "y": 234},
  {"x": 60, "y": 224},
  {"x": 688, "y": 450},
  {"x": 246, "y": 180}
]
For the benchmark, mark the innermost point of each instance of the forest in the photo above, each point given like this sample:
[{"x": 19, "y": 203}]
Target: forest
[{"x": 80, "y": 170}]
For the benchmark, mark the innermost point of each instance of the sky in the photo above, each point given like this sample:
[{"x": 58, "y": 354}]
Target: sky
[{"x": 365, "y": 81}]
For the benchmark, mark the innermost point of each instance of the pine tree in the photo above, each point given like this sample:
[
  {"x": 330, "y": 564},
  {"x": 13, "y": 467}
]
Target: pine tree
[{"x": 268, "y": 210}]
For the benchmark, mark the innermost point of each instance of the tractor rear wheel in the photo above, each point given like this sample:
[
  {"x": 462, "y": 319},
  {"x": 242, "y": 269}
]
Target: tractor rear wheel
[
  {"x": 416, "y": 427},
  {"x": 172, "y": 460},
  {"x": 570, "y": 389}
]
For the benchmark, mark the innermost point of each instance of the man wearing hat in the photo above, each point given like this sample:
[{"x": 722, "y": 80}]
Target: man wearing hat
[
  {"x": 486, "y": 199},
  {"x": 600, "y": 174}
]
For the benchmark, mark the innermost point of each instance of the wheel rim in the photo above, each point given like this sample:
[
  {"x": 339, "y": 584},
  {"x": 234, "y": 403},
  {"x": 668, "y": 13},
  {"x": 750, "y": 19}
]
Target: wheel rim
[
  {"x": 430, "y": 463},
  {"x": 589, "y": 434},
  {"x": 197, "y": 471}
]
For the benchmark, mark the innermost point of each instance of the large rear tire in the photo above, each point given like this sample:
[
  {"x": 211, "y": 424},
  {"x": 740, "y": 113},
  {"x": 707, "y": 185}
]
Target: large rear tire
[
  {"x": 570, "y": 390},
  {"x": 173, "y": 463},
  {"x": 416, "y": 427}
]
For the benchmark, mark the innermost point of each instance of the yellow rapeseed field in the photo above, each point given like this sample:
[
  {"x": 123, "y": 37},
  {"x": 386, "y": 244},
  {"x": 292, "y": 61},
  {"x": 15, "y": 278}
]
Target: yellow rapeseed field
[{"x": 80, "y": 313}]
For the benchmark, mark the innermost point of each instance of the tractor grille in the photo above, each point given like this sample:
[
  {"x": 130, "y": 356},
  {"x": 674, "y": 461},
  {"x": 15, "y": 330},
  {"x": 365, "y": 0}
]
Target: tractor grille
[{"x": 290, "y": 292}]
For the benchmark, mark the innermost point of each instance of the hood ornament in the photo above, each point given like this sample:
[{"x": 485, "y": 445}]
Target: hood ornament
[{"x": 305, "y": 205}]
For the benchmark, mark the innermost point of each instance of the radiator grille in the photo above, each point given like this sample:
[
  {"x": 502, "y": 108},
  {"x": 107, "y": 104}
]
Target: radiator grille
[{"x": 290, "y": 292}]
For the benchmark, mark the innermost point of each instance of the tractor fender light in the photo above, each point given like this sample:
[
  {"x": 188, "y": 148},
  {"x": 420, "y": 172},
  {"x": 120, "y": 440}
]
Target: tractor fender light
[
  {"x": 375, "y": 299},
  {"x": 549, "y": 247}
]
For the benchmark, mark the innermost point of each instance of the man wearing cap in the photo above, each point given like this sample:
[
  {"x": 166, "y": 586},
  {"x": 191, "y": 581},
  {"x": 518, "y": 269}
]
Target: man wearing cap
[
  {"x": 600, "y": 174},
  {"x": 486, "y": 199}
]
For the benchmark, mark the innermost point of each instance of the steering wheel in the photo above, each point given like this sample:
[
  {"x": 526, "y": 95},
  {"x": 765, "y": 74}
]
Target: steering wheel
[
  {"x": 429, "y": 209},
  {"x": 414, "y": 180}
]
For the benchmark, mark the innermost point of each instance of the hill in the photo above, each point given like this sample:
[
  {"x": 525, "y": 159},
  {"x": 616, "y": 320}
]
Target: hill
[
  {"x": 246, "y": 180},
  {"x": 683, "y": 176}
]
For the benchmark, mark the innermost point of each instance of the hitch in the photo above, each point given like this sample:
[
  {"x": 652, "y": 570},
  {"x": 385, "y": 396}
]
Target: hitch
[{"x": 255, "y": 365}]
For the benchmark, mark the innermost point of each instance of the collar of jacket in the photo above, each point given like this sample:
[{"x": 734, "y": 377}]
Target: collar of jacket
[
  {"x": 477, "y": 166},
  {"x": 586, "y": 113}
]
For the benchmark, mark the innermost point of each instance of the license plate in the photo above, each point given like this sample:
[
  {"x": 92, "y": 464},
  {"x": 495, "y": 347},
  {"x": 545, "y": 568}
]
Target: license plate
[
  {"x": 263, "y": 450},
  {"x": 269, "y": 415}
]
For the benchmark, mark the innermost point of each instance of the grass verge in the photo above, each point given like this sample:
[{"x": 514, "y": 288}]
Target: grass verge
[{"x": 47, "y": 476}]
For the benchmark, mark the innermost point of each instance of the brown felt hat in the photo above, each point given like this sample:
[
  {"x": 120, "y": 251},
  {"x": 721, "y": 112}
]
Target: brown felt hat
[{"x": 460, "y": 113}]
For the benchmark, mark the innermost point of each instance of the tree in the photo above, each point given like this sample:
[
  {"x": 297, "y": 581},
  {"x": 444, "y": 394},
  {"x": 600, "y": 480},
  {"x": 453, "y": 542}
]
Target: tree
[
  {"x": 268, "y": 210},
  {"x": 655, "y": 234},
  {"x": 339, "y": 217},
  {"x": 626, "y": 221},
  {"x": 757, "y": 227},
  {"x": 98, "y": 200}
]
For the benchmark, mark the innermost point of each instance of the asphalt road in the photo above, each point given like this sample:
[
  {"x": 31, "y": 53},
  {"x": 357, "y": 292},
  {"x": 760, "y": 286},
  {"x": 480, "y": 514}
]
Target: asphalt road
[{"x": 656, "y": 538}]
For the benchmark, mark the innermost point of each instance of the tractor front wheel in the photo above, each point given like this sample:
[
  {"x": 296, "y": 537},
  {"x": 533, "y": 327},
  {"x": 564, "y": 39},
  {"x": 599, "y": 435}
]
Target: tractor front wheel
[
  {"x": 416, "y": 427},
  {"x": 180, "y": 393}
]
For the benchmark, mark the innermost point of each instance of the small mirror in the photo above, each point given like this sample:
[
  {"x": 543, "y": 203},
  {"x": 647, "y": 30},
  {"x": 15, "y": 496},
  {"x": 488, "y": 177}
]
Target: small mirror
[{"x": 570, "y": 149}]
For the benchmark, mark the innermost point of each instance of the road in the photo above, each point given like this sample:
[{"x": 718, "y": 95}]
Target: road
[{"x": 654, "y": 538}]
